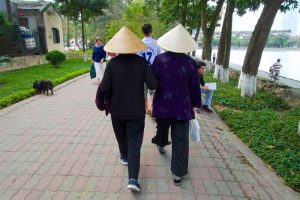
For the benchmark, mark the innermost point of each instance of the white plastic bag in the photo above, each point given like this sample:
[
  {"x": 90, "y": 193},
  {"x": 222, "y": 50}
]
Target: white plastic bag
[{"x": 194, "y": 130}]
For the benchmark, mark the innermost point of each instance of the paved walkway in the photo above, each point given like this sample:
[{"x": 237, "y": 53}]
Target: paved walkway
[{"x": 62, "y": 147}]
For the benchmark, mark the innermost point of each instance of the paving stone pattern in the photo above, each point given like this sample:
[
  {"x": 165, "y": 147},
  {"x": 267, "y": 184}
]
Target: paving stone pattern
[{"x": 61, "y": 147}]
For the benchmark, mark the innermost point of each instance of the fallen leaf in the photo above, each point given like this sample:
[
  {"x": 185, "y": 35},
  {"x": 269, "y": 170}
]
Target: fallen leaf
[
  {"x": 270, "y": 146},
  {"x": 150, "y": 187},
  {"x": 83, "y": 193},
  {"x": 292, "y": 172}
]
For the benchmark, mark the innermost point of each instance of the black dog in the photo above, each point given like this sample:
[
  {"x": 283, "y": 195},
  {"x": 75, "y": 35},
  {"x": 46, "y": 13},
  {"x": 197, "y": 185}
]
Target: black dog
[{"x": 43, "y": 86}]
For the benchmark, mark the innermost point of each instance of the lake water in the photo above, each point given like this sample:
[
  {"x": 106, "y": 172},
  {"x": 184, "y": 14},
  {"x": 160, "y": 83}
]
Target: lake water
[{"x": 290, "y": 60}]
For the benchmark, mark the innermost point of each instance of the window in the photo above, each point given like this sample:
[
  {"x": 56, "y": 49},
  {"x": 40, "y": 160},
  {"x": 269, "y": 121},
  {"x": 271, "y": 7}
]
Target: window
[{"x": 55, "y": 33}]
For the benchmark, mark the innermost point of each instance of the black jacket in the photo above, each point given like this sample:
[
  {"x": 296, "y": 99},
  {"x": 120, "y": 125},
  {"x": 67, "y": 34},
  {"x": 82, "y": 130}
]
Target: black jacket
[
  {"x": 201, "y": 79},
  {"x": 103, "y": 100},
  {"x": 124, "y": 78}
]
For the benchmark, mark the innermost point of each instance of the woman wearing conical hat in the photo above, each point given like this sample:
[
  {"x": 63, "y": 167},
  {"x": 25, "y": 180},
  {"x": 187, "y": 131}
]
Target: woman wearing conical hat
[
  {"x": 176, "y": 96},
  {"x": 124, "y": 79}
]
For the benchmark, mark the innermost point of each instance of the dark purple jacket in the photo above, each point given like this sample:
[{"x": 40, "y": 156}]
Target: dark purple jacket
[{"x": 179, "y": 88}]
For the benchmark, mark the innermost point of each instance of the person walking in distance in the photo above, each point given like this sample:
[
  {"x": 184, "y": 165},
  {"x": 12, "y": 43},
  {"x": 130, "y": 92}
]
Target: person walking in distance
[
  {"x": 149, "y": 54},
  {"x": 99, "y": 59},
  {"x": 124, "y": 79},
  {"x": 176, "y": 96}
]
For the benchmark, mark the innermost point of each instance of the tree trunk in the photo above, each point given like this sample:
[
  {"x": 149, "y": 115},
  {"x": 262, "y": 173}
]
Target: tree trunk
[
  {"x": 207, "y": 40},
  {"x": 197, "y": 36},
  {"x": 8, "y": 7},
  {"x": 203, "y": 12},
  {"x": 208, "y": 32},
  {"x": 197, "y": 32},
  {"x": 229, "y": 13},
  {"x": 220, "y": 57},
  {"x": 83, "y": 36},
  {"x": 183, "y": 12},
  {"x": 76, "y": 33},
  {"x": 258, "y": 40},
  {"x": 68, "y": 33}
]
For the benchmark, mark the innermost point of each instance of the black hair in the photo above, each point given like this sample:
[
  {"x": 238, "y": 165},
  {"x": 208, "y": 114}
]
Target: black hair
[
  {"x": 199, "y": 63},
  {"x": 278, "y": 60},
  {"x": 147, "y": 29}
]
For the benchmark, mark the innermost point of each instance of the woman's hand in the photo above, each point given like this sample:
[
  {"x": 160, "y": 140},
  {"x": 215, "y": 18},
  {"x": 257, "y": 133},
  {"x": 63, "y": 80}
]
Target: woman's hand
[{"x": 205, "y": 88}]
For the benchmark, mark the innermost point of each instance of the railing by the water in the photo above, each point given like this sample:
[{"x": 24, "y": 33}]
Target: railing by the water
[{"x": 283, "y": 80}]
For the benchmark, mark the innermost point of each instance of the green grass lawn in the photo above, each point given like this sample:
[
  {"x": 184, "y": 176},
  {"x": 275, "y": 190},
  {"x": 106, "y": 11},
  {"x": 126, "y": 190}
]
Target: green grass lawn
[
  {"x": 17, "y": 85},
  {"x": 266, "y": 124}
]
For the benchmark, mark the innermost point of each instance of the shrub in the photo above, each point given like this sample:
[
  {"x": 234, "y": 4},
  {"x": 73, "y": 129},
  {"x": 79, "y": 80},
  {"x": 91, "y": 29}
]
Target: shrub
[
  {"x": 272, "y": 135},
  {"x": 11, "y": 99},
  {"x": 4, "y": 59},
  {"x": 55, "y": 57},
  {"x": 266, "y": 124}
]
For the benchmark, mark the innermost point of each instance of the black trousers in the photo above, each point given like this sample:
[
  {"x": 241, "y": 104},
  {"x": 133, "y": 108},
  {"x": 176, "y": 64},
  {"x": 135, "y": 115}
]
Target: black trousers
[
  {"x": 180, "y": 143},
  {"x": 129, "y": 134}
]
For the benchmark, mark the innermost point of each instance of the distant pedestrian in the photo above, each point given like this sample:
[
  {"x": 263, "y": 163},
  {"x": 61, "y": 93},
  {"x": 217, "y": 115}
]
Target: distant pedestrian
[
  {"x": 277, "y": 66},
  {"x": 177, "y": 95},
  {"x": 214, "y": 57},
  {"x": 124, "y": 79},
  {"x": 99, "y": 59},
  {"x": 149, "y": 54}
]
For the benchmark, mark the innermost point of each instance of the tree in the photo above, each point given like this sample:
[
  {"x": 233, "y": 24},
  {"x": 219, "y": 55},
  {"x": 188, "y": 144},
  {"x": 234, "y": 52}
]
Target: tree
[
  {"x": 135, "y": 15},
  {"x": 185, "y": 12},
  {"x": 68, "y": 32},
  {"x": 81, "y": 10},
  {"x": 248, "y": 77},
  {"x": 4, "y": 23},
  {"x": 209, "y": 26},
  {"x": 184, "y": 5},
  {"x": 171, "y": 11},
  {"x": 218, "y": 74},
  {"x": 193, "y": 21},
  {"x": 277, "y": 41},
  {"x": 98, "y": 24},
  {"x": 8, "y": 4},
  {"x": 76, "y": 33},
  {"x": 292, "y": 42},
  {"x": 229, "y": 12},
  {"x": 223, "y": 58}
]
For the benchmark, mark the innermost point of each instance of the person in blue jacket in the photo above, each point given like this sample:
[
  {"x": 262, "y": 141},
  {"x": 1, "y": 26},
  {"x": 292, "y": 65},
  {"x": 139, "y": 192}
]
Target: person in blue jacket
[{"x": 99, "y": 59}]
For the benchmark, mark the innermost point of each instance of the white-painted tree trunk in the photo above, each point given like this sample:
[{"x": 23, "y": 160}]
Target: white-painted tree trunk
[
  {"x": 85, "y": 56},
  {"x": 225, "y": 77},
  {"x": 247, "y": 84},
  {"x": 240, "y": 81},
  {"x": 218, "y": 72},
  {"x": 208, "y": 65}
]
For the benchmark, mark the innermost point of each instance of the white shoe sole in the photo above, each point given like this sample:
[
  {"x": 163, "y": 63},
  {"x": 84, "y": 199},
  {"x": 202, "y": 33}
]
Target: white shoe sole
[
  {"x": 124, "y": 163},
  {"x": 161, "y": 149},
  {"x": 133, "y": 188}
]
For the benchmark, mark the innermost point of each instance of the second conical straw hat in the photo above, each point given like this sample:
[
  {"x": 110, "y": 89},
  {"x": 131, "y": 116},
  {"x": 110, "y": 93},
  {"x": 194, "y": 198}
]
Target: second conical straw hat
[
  {"x": 177, "y": 40},
  {"x": 123, "y": 42}
]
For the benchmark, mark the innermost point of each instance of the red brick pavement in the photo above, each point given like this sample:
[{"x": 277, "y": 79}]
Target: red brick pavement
[{"x": 62, "y": 147}]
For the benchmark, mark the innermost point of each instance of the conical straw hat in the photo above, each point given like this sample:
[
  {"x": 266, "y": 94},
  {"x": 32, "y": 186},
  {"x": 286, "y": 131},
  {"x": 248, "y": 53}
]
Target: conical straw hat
[
  {"x": 177, "y": 40},
  {"x": 124, "y": 41}
]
